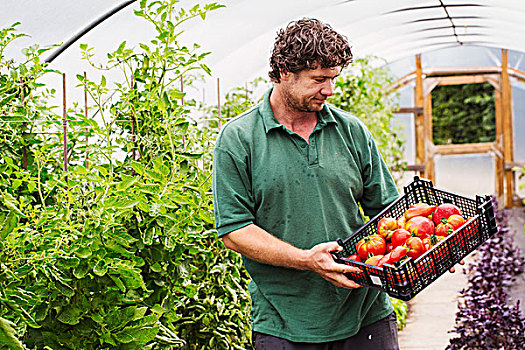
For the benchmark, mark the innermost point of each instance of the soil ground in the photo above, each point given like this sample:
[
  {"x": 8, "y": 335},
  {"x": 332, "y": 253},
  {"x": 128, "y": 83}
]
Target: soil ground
[{"x": 432, "y": 312}]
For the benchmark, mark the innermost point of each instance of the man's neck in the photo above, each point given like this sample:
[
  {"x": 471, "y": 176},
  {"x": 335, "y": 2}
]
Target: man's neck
[
  {"x": 285, "y": 115},
  {"x": 302, "y": 123}
]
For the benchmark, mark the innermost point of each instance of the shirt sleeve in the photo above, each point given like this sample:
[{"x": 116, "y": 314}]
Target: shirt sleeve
[
  {"x": 233, "y": 201},
  {"x": 379, "y": 188}
]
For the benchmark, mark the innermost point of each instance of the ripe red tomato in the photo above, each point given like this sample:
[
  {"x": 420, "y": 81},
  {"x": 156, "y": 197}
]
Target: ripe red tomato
[
  {"x": 398, "y": 253},
  {"x": 415, "y": 246},
  {"x": 394, "y": 256},
  {"x": 354, "y": 257},
  {"x": 373, "y": 244},
  {"x": 419, "y": 209},
  {"x": 444, "y": 211},
  {"x": 399, "y": 237},
  {"x": 401, "y": 222},
  {"x": 444, "y": 229},
  {"x": 431, "y": 241},
  {"x": 383, "y": 260},
  {"x": 420, "y": 226}
]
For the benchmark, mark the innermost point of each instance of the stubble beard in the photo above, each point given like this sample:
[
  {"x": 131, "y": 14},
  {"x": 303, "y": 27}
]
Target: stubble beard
[{"x": 294, "y": 104}]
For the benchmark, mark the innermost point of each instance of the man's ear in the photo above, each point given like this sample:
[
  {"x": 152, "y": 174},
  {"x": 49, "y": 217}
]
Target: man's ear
[{"x": 285, "y": 75}]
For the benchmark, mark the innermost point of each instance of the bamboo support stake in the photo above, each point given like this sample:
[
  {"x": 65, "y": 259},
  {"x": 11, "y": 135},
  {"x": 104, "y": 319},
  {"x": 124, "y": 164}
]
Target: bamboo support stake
[
  {"x": 429, "y": 139},
  {"x": 203, "y": 103},
  {"x": 86, "y": 115},
  {"x": 133, "y": 138},
  {"x": 508, "y": 130},
  {"x": 182, "y": 104},
  {"x": 24, "y": 124},
  {"x": 182, "y": 89},
  {"x": 64, "y": 125},
  {"x": 219, "y": 102}
]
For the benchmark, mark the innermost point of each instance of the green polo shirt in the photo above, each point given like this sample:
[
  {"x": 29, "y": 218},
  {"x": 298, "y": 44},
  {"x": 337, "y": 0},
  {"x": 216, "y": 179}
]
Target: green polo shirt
[{"x": 304, "y": 193}]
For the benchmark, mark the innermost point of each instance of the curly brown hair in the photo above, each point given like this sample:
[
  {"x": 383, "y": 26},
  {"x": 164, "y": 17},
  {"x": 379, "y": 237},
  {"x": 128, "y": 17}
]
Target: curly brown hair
[{"x": 308, "y": 44}]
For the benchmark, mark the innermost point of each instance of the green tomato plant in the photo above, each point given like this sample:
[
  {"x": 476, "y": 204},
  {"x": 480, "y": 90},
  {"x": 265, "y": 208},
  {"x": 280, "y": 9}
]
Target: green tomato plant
[{"x": 119, "y": 252}]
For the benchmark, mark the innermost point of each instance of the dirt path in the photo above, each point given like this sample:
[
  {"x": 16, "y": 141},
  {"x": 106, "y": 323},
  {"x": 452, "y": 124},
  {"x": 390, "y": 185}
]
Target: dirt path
[{"x": 432, "y": 313}]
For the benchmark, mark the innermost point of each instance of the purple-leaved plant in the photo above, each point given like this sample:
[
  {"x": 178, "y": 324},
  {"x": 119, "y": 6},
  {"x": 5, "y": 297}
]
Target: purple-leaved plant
[{"x": 486, "y": 319}]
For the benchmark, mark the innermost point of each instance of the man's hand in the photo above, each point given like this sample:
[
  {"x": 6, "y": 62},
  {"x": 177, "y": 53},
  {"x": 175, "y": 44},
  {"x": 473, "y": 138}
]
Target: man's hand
[
  {"x": 259, "y": 245},
  {"x": 322, "y": 263},
  {"x": 452, "y": 269}
]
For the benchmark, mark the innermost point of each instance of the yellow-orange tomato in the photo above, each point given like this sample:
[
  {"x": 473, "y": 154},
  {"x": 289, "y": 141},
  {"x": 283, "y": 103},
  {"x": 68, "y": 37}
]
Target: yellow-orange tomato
[{"x": 456, "y": 220}]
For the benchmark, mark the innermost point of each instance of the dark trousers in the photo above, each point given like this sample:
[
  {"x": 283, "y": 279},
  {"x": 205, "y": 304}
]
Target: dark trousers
[{"x": 381, "y": 335}]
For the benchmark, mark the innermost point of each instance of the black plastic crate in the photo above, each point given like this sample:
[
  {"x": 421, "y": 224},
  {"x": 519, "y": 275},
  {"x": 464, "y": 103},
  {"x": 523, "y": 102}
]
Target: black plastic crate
[{"x": 408, "y": 278}]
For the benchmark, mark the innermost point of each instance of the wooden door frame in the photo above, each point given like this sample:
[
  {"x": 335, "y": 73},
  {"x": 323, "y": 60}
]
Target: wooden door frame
[{"x": 502, "y": 149}]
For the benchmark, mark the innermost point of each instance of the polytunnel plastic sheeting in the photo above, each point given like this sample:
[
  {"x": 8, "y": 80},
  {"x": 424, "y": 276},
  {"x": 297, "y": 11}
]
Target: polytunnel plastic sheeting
[
  {"x": 240, "y": 35},
  {"x": 50, "y": 22},
  {"x": 452, "y": 172},
  {"x": 458, "y": 56},
  {"x": 388, "y": 29},
  {"x": 518, "y": 104}
]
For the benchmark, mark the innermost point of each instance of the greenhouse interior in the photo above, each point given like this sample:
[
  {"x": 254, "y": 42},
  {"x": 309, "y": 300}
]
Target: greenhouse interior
[{"x": 110, "y": 111}]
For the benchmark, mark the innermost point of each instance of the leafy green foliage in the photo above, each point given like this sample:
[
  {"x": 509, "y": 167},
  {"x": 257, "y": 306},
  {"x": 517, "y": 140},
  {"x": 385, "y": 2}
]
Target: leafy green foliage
[
  {"x": 236, "y": 101},
  {"x": 360, "y": 91},
  {"x": 463, "y": 114},
  {"x": 118, "y": 252},
  {"x": 241, "y": 99},
  {"x": 8, "y": 335},
  {"x": 401, "y": 309}
]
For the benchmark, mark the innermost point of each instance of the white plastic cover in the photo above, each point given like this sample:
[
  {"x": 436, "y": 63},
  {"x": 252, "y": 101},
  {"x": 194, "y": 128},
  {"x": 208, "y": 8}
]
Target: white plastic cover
[{"x": 240, "y": 37}]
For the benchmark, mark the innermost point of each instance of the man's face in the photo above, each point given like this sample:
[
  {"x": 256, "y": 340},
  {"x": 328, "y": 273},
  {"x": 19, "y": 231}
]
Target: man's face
[{"x": 307, "y": 90}]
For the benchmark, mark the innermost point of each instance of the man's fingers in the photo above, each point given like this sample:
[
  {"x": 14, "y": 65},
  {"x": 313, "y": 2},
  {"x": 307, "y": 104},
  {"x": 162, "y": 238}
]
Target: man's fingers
[
  {"x": 348, "y": 283},
  {"x": 461, "y": 262},
  {"x": 332, "y": 246},
  {"x": 342, "y": 281},
  {"x": 343, "y": 268},
  {"x": 353, "y": 269},
  {"x": 332, "y": 271}
]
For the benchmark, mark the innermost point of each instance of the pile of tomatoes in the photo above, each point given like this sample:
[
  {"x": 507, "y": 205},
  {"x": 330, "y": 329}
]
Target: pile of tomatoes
[{"x": 418, "y": 230}]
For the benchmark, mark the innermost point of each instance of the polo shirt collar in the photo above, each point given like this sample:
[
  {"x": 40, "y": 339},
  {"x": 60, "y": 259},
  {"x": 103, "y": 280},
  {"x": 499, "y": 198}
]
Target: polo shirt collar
[{"x": 324, "y": 117}]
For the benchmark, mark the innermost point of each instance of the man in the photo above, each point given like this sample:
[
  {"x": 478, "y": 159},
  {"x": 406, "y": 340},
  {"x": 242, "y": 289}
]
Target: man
[{"x": 289, "y": 176}]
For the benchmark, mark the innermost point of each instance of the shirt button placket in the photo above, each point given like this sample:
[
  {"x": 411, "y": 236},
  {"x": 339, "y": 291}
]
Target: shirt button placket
[{"x": 312, "y": 153}]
